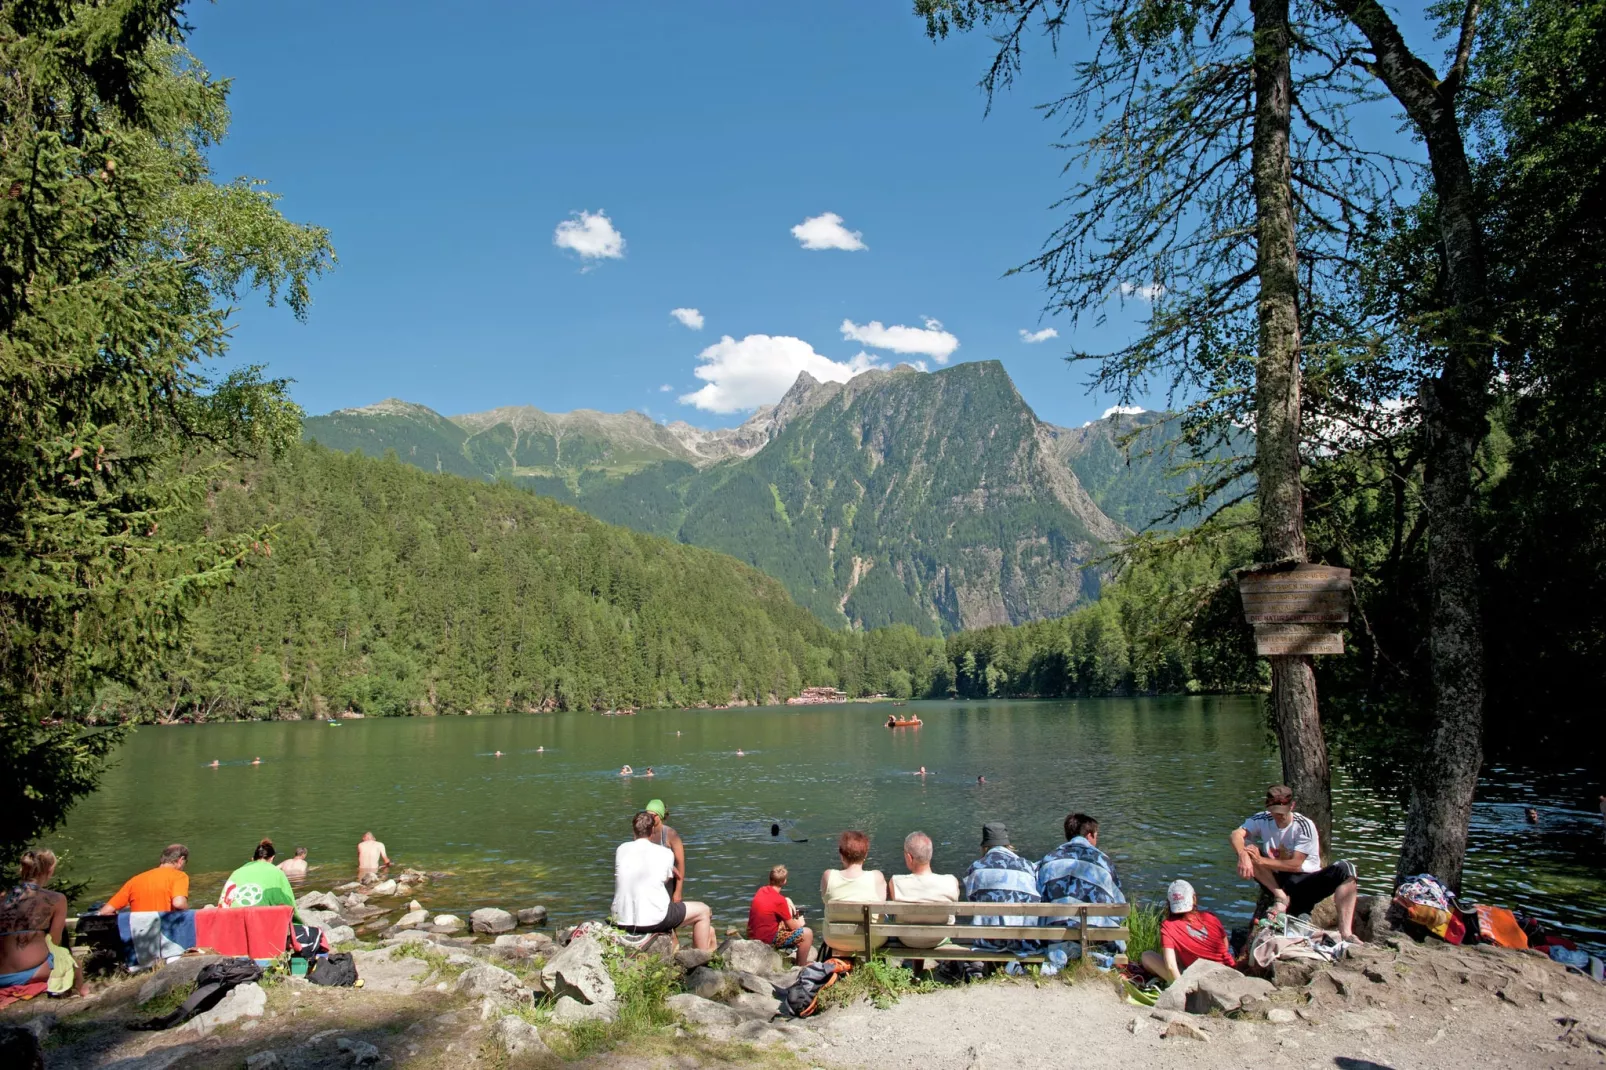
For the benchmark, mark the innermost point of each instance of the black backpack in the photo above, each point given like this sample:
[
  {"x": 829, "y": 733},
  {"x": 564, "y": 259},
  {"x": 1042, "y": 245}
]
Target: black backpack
[
  {"x": 211, "y": 985},
  {"x": 801, "y": 999},
  {"x": 338, "y": 970}
]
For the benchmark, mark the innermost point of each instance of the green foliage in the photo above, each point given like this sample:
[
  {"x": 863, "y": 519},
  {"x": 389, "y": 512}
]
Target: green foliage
[
  {"x": 168, "y": 1001},
  {"x": 117, "y": 255},
  {"x": 878, "y": 981},
  {"x": 1170, "y": 622},
  {"x": 390, "y": 591},
  {"x": 1144, "y": 924}
]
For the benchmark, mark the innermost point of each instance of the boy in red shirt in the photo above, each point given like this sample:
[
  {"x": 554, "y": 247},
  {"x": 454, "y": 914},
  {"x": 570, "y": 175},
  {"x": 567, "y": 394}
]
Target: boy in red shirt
[
  {"x": 774, "y": 920},
  {"x": 1186, "y": 936}
]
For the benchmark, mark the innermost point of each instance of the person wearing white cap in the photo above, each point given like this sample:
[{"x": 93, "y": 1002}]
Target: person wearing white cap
[{"x": 1187, "y": 935}]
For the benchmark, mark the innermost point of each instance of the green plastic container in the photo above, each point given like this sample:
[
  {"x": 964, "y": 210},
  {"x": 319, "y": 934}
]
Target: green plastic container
[{"x": 298, "y": 966}]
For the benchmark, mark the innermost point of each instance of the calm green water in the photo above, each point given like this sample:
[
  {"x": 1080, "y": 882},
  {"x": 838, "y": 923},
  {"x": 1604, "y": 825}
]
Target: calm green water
[{"x": 1168, "y": 778}]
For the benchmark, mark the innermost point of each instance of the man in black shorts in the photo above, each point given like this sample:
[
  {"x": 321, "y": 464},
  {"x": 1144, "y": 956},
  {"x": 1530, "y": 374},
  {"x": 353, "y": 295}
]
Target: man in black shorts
[
  {"x": 642, "y": 874},
  {"x": 1280, "y": 849}
]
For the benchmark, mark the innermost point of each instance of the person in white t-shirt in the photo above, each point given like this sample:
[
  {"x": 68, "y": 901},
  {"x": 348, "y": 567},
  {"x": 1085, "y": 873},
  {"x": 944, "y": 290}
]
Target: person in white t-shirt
[
  {"x": 1282, "y": 851},
  {"x": 642, "y": 874},
  {"x": 921, "y": 885}
]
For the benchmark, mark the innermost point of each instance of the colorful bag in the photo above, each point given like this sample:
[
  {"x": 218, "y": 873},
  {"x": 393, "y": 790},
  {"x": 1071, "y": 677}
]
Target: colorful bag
[{"x": 802, "y": 998}]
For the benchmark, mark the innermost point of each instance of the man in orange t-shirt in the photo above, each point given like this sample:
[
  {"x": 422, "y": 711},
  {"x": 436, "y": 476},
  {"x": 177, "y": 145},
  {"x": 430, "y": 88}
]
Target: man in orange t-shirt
[{"x": 167, "y": 887}]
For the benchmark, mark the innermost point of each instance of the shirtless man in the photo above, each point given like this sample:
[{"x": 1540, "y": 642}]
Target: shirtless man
[
  {"x": 665, "y": 836},
  {"x": 370, "y": 855},
  {"x": 28, "y": 913},
  {"x": 295, "y": 868}
]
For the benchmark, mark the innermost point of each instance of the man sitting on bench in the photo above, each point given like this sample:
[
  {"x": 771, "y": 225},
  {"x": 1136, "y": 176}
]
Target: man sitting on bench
[
  {"x": 1078, "y": 872},
  {"x": 1001, "y": 876}
]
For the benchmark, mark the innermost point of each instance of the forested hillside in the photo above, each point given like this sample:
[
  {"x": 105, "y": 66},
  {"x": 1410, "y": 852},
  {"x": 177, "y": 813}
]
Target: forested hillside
[{"x": 388, "y": 590}]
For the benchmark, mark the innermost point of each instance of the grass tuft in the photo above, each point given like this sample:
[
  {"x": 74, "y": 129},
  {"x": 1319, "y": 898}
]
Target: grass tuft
[
  {"x": 642, "y": 983},
  {"x": 1144, "y": 924}
]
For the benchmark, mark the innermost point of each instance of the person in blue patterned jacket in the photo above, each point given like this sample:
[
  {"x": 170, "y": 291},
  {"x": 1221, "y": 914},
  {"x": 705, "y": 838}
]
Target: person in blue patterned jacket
[
  {"x": 1001, "y": 876},
  {"x": 1078, "y": 872}
]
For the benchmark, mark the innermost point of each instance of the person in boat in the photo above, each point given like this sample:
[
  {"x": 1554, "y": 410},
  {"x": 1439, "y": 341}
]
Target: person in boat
[
  {"x": 258, "y": 883},
  {"x": 664, "y": 836},
  {"x": 1001, "y": 876},
  {"x": 921, "y": 885},
  {"x": 776, "y": 920},
  {"x": 371, "y": 855},
  {"x": 1280, "y": 850},
  {"x": 295, "y": 867},
  {"x": 164, "y": 887},
  {"x": 1187, "y": 935},
  {"x": 642, "y": 873},
  {"x": 853, "y": 883},
  {"x": 1077, "y": 872},
  {"x": 32, "y": 923}
]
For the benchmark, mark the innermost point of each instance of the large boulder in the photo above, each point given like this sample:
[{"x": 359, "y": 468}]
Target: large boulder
[
  {"x": 1226, "y": 990},
  {"x": 516, "y": 1037},
  {"x": 447, "y": 923},
  {"x": 1371, "y": 917},
  {"x": 242, "y": 1001},
  {"x": 570, "y": 1011},
  {"x": 711, "y": 984},
  {"x": 1176, "y": 995},
  {"x": 580, "y": 972},
  {"x": 318, "y": 901},
  {"x": 358, "y": 1052},
  {"x": 700, "y": 1011},
  {"x": 691, "y": 958},
  {"x": 179, "y": 972},
  {"x": 340, "y": 934},
  {"x": 749, "y": 956},
  {"x": 412, "y": 918},
  {"x": 532, "y": 916},
  {"x": 492, "y": 920},
  {"x": 323, "y": 919},
  {"x": 482, "y": 981},
  {"x": 386, "y": 887}
]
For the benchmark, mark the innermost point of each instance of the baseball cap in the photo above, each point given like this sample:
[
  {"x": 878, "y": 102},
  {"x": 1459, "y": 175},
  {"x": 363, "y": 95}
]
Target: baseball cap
[
  {"x": 656, "y": 806},
  {"x": 1179, "y": 897},
  {"x": 1279, "y": 799}
]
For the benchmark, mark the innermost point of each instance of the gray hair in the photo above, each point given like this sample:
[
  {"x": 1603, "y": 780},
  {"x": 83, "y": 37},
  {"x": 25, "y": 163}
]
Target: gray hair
[{"x": 917, "y": 845}]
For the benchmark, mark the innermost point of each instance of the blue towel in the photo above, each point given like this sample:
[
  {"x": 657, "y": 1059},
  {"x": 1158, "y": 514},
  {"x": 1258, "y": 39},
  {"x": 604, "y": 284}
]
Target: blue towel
[{"x": 151, "y": 936}]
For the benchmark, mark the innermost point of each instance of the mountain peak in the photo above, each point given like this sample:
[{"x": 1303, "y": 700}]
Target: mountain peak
[{"x": 390, "y": 407}]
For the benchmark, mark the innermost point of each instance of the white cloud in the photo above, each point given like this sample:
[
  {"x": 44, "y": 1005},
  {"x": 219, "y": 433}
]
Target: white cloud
[
  {"x": 688, "y": 317},
  {"x": 759, "y": 368},
  {"x": 1121, "y": 410},
  {"x": 1033, "y": 337},
  {"x": 666, "y": 388},
  {"x": 1148, "y": 291},
  {"x": 826, "y": 231},
  {"x": 931, "y": 340},
  {"x": 592, "y": 235}
]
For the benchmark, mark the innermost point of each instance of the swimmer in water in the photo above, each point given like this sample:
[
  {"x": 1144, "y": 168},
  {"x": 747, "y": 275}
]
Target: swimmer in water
[
  {"x": 922, "y": 771},
  {"x": 1532, "y": 816},
  {"x": 775, "y": 830},
  {"x": 256, "y": 761},
  {"x": 739, "y": 753},
  {"x": 677, "y": 731},
  {"x": 981, "y": 780},
  {"x": 498, "y": 754},
  {"x": 626, "y": 771},
  {"x": 214, "y": 763},
  {"x": 648, "y": 772},
  {"x": 540, "y": 750}
]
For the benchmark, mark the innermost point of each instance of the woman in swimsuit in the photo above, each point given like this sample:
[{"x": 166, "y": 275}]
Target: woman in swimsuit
[{"x": 28, "y": 913}]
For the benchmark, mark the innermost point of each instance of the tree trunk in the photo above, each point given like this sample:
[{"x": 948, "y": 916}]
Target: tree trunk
[
  {"x": 1277, "y": 389},
  {"x": 1455, "y": 408}
]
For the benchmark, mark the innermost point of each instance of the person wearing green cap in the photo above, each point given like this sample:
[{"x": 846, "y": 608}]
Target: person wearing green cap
[{"x": 665, "y": 836}]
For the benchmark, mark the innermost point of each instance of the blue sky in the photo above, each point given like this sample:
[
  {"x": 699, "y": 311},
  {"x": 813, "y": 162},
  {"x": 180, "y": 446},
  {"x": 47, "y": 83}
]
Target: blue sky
[{"x": 445, "y": 145}]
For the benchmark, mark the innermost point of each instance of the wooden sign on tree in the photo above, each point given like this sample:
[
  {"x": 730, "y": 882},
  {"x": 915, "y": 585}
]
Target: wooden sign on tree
[{"x": 1296, "y": 608}]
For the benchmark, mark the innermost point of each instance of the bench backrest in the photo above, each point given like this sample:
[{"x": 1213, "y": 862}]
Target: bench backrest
[{"x": 847, "y": 923}]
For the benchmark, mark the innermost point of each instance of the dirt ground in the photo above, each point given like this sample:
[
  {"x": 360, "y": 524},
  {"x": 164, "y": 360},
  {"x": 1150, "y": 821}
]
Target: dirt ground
[{"x": 1422, "y": 1007}]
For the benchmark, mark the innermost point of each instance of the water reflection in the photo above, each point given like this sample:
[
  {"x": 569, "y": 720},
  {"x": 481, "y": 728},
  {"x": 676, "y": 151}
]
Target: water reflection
[{"x": 1168, "y": 779}]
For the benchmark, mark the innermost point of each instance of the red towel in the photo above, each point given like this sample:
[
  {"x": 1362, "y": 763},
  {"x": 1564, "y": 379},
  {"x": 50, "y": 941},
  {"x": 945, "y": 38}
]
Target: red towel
[
  {"x": 257, "y": 932},
  {"x": 12, "y": 993}
]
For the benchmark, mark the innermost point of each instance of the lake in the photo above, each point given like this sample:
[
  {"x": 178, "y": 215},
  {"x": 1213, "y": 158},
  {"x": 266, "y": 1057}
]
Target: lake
[{"x": 1168, "y": 778}]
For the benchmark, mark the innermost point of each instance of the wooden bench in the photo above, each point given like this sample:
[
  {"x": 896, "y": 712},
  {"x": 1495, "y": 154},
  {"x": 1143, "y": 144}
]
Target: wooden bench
[{"x": 863, "y": 924}]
